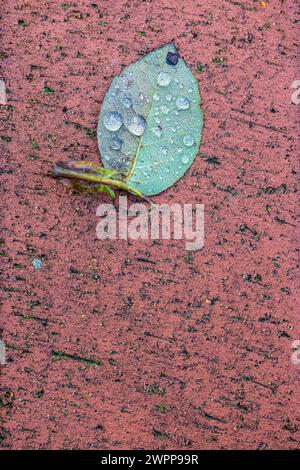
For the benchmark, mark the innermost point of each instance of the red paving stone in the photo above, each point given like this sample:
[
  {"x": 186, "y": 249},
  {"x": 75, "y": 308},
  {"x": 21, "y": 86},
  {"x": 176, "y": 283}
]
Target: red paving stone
[{"x": 194, "y": 351}]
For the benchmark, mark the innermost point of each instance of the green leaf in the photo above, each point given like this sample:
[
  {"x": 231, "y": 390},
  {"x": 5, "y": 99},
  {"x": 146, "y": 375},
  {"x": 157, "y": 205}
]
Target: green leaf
[
  {"x": 150, "y": 122},
  {"x": 102, "y": 188}
]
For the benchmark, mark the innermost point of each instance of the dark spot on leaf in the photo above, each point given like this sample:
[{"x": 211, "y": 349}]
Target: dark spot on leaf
[{"x": 172, "y": 58}]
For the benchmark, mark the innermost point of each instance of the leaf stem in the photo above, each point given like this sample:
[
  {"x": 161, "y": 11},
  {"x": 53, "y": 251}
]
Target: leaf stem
[{"x": 90, "y": 175}]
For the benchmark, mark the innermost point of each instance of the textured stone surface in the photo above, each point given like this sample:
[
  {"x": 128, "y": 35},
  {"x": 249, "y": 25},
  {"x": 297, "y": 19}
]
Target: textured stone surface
[{"x": 190, "y": 352}]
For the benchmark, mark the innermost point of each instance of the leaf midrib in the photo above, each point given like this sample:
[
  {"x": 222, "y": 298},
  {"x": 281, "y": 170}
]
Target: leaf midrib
[{"x": 133, "y": 164}]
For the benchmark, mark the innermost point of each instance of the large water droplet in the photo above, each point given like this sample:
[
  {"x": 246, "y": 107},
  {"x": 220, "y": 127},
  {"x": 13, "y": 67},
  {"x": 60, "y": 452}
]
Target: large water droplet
[
  {"x": 185, "y": 159},
  {"x": 182, "y": 103},
  {"x": 136, "y": 125},
  {"x": 188, "y": 140},
  {"x": 116, "y": 143},
  {"x": 113, "y": 121},
  {"x": 127, "y": 103},
  {"x": 164, "y": 79}
]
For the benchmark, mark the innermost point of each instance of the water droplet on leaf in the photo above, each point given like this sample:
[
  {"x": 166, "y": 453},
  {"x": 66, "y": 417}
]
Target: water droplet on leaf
[
  {"x": 185, "y": 159},
  {"x": 157, "y": 131},
  {"x": 113, "y": 121},
  {"x": 164, "y": 109},
  {"x": 127, "y": 102},
  {"x": 116, "y": 143},
  {"x": 136, "y": 125},
  {"x": 182, "y": 103},
  {"x": 188, "y": 140},
  {"x": 164, "y": 150},
  {"x": 164, "y": 79}
]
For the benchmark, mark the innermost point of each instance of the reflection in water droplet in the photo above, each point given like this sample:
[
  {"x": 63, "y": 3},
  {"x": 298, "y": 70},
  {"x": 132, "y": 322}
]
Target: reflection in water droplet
[
  {"x": 164, "y": 109},
  {"x": 164, "y": 79},
  {"x": 113, "y": 121},
  {"x": 156, "y": 97},
  {"x": 157, "y": 131},
  {"x": 127, "y": 102},
  {"x": 188, "y": 140},
  {"x": 116, "y": 143},
  {"x": 136, "y": 125},
  {"x": 182, "y": 103},
  {"x": 185, "y": 159}
]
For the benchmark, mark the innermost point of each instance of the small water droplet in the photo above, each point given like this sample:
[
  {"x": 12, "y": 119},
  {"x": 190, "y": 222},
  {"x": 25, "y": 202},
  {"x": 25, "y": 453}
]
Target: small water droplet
[
  {"x": 156, "y": 97},
  {"x": 190, "y": 90},
  {"x": 127, "y": 103},
  {"x": 188, "y": 140},
  {"x": 164, "y": 79},
  {"x": 136, "y": 125},
  {"x": 157, "y": 120},
  {"x": 116, "y": 143},
  {"x": 179, "y": 150},
  {"x": 164, "y": 109},
  {"x": 164, "y": 150},
  {"x": 182, "y": 103},
  {"x": 168, "y": 97},
  {"x": 157, "y": 131},
  {"x": 185, "y": 159},
  {"x": 113, "y": 121}
]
